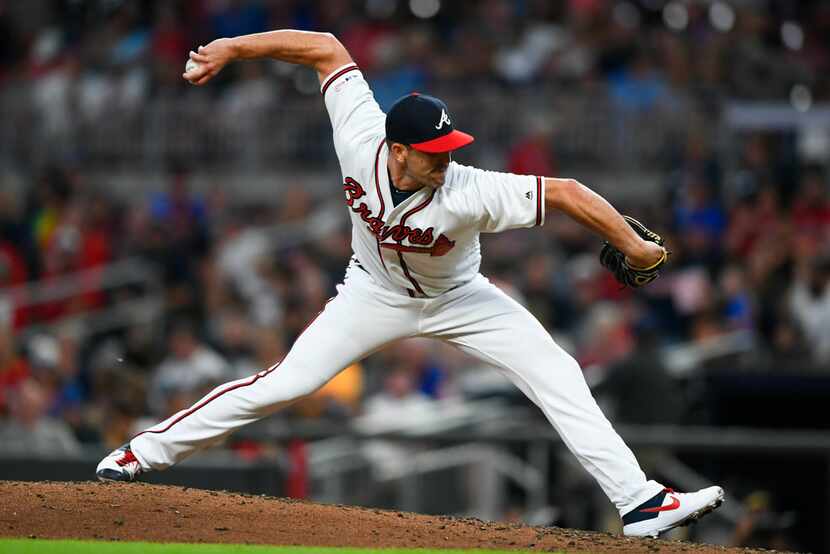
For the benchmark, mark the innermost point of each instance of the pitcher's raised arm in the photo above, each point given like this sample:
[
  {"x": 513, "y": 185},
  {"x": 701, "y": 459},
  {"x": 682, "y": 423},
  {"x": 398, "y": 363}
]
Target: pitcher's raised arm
[{"x": 319, "y": 51}]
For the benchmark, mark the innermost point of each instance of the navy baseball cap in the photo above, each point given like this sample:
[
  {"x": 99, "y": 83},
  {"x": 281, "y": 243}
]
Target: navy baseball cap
[{"x": 423, "y": 122}]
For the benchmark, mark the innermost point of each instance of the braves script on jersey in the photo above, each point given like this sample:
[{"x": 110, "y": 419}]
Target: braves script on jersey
[{"x": 429, "y": 243}]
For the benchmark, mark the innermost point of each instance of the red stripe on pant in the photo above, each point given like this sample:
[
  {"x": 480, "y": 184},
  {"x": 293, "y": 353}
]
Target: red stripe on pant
[{"x": 253, "y": 380}]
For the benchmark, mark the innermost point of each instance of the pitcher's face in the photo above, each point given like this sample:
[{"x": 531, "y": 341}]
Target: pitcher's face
[{"x": 428, "y": 170}]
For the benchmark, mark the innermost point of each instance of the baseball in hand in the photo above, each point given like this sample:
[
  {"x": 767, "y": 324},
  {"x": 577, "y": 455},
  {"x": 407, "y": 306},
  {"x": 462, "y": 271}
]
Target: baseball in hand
[{"x": 191, "y": 65}]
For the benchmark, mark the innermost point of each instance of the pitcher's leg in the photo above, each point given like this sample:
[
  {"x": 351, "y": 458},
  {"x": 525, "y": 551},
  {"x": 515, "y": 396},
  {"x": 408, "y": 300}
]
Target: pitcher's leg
[
  {"x": 350, "y": 327},
  {"x": 494, "y": 328}
]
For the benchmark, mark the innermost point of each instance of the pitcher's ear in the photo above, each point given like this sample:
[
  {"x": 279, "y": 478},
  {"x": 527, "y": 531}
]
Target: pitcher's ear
[{"x": 399, "y": 151}]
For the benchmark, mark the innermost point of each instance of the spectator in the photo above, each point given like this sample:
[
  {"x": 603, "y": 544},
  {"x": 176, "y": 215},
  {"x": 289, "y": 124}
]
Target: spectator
[
  {"x": 13, "y": 369},
  {"x": 789, "y": 349},
  {"x": 181, "y": 214},
  {"x": 533, "y": 154},
  {"x": 12, "y": 274},
  {"x": 736, "y": 298},
  {"x": 402, "y": 61},
  {"x": 631, "y": 382},
  {"x": 762, "y": 527},
  {"x": 30, "y": 430},
  {"x": 397, "y": 407},
  {"x": 169, "y": 40},
  {"x": 753, "y": 217},
  {"x": 810, "y": 304},
  {"x": 399, "y": 404},
  {"x": 189, "y": 369},
  {"x": 810, "y": 212},
  {"x": 700, "y": 219},
  {"x": 235, "y": 338},
  {"x": 239, "y": 17},
  {"x": 606, "y": 337},
  {"x": 245, "y": 101},
  {"x": 414, "y": 356},
  {"x": 638, "y": 87}
]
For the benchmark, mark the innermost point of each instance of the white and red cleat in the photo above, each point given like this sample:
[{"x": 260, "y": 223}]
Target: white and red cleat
[
  {"x": 669, "y": 509},
  {"x": 119, "y": 465}
]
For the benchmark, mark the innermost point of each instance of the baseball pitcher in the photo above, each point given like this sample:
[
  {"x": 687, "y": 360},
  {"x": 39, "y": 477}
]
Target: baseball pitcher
[{"x": 416, "y": 218}]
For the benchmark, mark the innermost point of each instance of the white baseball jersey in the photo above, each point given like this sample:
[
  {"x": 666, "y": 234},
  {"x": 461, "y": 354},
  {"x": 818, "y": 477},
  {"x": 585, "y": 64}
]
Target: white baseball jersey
[{"x": 429, "y": 243}]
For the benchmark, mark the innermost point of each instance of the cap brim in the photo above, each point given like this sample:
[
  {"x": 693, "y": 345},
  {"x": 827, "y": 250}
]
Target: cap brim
[{"x": 447, "y": 143}]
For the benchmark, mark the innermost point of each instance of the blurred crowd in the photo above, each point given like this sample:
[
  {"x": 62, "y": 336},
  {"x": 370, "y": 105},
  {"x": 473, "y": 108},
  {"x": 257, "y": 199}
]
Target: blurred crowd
[
  {"x": 748, "y": 226},
  {"x": 124, "y": 51},
  {"x": 749, "y": 242},
  {"x": 89, "y": 72},
  {"x": 233, "y": 299}
]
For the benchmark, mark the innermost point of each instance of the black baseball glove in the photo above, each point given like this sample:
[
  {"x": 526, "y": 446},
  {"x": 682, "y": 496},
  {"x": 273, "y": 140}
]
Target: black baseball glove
[{"x": 614, "y": 260}]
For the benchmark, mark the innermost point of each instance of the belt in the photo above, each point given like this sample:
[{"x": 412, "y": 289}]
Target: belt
[{"x": 410, "y": 292}]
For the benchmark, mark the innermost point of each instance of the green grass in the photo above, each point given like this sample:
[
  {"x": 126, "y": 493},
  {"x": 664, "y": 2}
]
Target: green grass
[{"x": 41, "y": 546}]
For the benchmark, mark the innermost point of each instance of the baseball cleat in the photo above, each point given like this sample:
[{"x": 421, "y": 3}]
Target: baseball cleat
[
  {"x": 669, "y": 509},
  {"x": 119, "y": 465}
]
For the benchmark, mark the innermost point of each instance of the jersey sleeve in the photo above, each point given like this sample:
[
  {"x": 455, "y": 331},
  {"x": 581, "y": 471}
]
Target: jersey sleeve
[
  {"x": 354, "y": 113},
  {"x": 501, "y": 201}
]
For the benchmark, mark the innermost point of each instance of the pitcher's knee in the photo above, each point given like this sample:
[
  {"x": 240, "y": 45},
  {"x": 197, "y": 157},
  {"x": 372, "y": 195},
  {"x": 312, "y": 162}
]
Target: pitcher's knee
[
  {"x": 554, "y": 365},
  {"x": 570, "y": 365},
  {"x": 553, "y": 356},
  {"x": 281, "y": 387}
]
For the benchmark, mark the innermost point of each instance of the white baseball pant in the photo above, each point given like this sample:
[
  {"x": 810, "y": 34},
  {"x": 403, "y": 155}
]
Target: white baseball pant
[{"x": 477, "y": 317}]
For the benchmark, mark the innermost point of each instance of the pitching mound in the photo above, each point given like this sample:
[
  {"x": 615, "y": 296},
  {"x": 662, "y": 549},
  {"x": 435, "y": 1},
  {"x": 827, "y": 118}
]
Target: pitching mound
[{"x": 173, "y": 514}]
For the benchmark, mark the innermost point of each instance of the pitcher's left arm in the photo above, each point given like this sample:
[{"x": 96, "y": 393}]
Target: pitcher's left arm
[{"x": 595, "y": 212}]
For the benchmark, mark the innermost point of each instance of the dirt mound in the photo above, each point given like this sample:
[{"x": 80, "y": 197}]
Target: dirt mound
[{"x": 139, "y": 511}]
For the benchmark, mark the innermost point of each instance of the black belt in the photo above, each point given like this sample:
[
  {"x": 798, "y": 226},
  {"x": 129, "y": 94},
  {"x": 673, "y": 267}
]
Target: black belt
[{"x": 411, "y": 292}]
